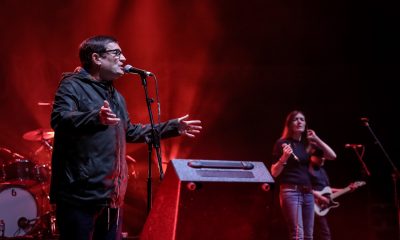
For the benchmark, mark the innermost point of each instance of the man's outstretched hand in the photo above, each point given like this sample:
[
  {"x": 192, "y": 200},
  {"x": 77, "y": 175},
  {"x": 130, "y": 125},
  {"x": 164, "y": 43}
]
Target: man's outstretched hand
[
  {"x": 189, "y": 127},
  {"x": 107, "y": 116}
]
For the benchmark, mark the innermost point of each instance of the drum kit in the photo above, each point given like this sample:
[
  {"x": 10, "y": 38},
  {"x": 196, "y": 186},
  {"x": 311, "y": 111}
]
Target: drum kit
[{"x": 25, "y": 209}]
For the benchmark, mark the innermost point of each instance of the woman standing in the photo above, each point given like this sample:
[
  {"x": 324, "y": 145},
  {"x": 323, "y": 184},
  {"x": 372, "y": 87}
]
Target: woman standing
[{"x": 290, "y": 163}]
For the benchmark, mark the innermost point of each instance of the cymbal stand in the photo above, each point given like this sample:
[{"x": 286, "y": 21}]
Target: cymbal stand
[{"x": 46, "y": 143}]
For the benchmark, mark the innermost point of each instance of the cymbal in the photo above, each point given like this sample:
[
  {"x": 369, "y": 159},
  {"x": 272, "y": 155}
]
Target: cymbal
[{"x": 38, "y": 135}]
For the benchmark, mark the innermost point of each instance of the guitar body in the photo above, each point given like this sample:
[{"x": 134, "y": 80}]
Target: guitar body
[{"x": 321, "y": 208}]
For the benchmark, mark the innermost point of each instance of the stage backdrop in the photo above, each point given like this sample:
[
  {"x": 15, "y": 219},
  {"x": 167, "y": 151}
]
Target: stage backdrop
[{"x": 240, "y": 67}]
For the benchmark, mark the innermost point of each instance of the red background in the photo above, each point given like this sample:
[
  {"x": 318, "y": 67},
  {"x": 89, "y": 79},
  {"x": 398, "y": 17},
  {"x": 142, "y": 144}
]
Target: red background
[{"x": 240, "y": 67}]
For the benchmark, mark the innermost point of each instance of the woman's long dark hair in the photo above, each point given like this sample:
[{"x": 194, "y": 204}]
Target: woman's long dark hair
[{"x": 287, "y": 130}]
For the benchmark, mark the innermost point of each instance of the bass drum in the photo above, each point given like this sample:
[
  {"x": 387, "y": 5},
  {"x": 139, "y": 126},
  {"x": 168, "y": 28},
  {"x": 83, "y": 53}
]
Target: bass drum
[{"x": 18, "y": 210}]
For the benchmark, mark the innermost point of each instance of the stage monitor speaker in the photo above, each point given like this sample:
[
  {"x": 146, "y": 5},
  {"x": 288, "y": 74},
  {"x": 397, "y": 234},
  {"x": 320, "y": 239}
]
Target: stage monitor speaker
[{"x": 211, "y": 199}]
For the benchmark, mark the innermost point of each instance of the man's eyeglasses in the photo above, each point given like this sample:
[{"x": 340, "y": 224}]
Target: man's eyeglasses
[{"x": 115, "y": 52}]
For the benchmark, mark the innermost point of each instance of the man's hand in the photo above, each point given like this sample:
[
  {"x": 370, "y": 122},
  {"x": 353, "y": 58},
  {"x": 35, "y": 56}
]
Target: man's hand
[
  {"x": 106, "y": 115},
  {"x": 189, "y": 127},
  {"x": 320, "y": 199}
]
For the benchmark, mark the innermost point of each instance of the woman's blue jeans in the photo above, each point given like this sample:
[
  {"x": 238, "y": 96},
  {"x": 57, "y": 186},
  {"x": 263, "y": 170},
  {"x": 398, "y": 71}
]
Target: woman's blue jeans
[{"x": 298, "y": 211}]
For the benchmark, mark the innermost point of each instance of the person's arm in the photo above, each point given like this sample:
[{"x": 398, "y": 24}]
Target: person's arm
[
  {"x": 66, "y": 116},
  {"x": 277, "y": 168},
  {"x": 329, "y": 154},
  {"x": 172, "y": 128},
  {"x": 352, "y": 187},
  {"x": 107, "y": 116},
  {"x": 187, "y": 127},
  {"x": 336, "y": 189},
  {"x": 319, "y": 198}
]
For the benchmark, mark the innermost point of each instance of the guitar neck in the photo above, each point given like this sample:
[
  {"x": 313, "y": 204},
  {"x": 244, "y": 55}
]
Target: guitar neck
[{"x": 340, "y": 192}]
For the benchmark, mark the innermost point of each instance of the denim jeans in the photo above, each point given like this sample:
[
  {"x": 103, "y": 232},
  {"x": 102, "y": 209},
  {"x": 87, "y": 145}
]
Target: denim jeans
[
  {"x": 88, "y": 223},
  {"x": 298, "y": 211}
]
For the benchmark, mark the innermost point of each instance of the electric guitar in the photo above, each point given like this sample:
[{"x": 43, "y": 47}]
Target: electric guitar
[{"x": 322, "y": 208}]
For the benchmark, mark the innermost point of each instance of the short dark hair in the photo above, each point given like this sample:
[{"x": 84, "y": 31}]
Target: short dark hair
[
  {"x": 317, "y": 152},
  {"x": 95, "y": 44}
]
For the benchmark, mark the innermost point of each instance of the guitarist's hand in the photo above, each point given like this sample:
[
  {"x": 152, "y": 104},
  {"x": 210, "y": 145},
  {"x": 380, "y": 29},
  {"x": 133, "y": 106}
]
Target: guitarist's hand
[
  {"x": 352, "y": 187},
  {"x": 321, "y": 200}
]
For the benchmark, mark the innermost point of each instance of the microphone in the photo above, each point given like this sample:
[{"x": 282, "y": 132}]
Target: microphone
[
  {"x": 25, "y": 223},
  {"x": 130, "y": 69},
  {"x": 364, "y": 120},
  {"x": 293, "y": 155},
  {"x": 352, "y": 145}
]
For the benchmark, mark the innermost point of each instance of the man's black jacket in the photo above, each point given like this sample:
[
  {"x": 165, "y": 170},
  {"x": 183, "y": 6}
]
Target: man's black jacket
[{"x": 88, "y": 161}]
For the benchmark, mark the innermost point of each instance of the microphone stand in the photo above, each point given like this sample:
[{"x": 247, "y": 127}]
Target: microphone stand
[
  {"x": 152, "y": 141},
  {"x": 359, "y": 156},
  {"x": 395, "y": 173}
]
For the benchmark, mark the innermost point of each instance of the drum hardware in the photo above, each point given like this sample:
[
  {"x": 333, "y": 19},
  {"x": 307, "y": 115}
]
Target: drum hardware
[
  {"x": 131, "y": 167},
  {"x": 53, "y": 228},
  {"x": 2, "y": 173},
  {"x": 2, "y": 228},
  {"x": 5, "y": 153},
  {"x": 42, "y": 173},
  {"x": 26, "y": 224},
  {"x": 39, "y": 135},
  {"x": 46, "y": 143},
  {"x": 25, "y": 209},
  {"x": 6, "y": 156},
  {"x": 19, "y": 172},
  {"x": 42, "y": 168},
  {"x": 15, "y": 168},
  {"x": 41, "y": 155},
  {"x": 17, "y": 156},
  {"x": 47, "y": 229}
]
